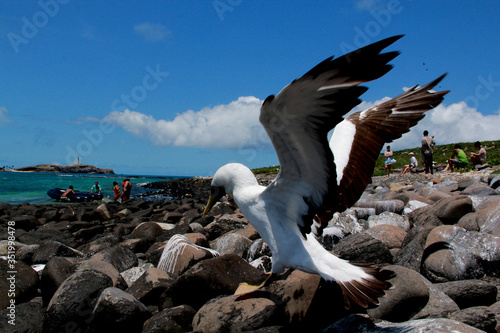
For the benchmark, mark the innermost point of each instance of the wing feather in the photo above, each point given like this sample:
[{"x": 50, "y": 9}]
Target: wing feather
[
  {"x": 374, "y": 127},
  {"x": 298, "y": 119}
]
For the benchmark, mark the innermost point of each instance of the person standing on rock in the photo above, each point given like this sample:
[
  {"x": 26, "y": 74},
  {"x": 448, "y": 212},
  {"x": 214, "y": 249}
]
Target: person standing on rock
[
  {"x": 116, "y": 190},
  {"x": 389, "y": 161},
  {"x": 127, "y": 188},
  {"x": 427, "y": 144}
]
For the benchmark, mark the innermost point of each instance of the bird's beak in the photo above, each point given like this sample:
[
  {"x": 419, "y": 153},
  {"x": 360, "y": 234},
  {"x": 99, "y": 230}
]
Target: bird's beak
[{"x": 216, "y": 192}]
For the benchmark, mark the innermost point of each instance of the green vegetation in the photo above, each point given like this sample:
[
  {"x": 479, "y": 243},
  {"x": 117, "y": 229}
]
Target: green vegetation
[
  {"x": 441, "y": 154},
  {"x": 272, "y": 170}
]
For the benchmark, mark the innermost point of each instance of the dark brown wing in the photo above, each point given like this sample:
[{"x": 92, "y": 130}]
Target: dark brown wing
[
  {"x": 357, "y": 141},
  {"x": 298, "y": 119}
]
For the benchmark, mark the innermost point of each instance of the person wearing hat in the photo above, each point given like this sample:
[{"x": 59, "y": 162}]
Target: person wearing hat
[{"x": 412, "y": 166}]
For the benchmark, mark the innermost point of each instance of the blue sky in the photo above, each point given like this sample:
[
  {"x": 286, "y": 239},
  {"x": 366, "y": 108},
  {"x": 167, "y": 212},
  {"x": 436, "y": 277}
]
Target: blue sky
[{"x": 175, "y": 87}]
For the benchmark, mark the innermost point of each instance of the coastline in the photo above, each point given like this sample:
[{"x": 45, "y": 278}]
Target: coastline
[{"x": 71, "y": 168}]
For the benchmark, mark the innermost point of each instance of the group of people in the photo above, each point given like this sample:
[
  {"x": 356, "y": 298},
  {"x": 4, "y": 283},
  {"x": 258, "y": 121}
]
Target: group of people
[
  {"x": 127, "y": 187},
  {"x": 458, "y": 159},
  {"x": 125, "y": 196}
]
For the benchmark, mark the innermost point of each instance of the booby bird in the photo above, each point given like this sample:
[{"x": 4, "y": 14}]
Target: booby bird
[{"x": 318, "y": 178}]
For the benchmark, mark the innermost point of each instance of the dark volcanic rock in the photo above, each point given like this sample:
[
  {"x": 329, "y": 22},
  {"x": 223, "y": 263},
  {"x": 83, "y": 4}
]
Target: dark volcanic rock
[
  {"x": 363, "y": 247},
  {"x": 55, "y": 272},
  {"x": 226, "y": 314},
  {"x": 469, "y": 293},
  {"x": 18, "y": 282},
  {"x": 118, "y": 311},
  {"x": 211, "y": 278},
  {"x": 72, "y": 305},
  {"x": 118, "y": 256}
]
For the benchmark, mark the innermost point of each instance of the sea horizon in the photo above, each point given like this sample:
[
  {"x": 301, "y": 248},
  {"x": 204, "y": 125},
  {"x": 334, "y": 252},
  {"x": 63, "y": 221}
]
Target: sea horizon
[{"x": 31, "y": 187}]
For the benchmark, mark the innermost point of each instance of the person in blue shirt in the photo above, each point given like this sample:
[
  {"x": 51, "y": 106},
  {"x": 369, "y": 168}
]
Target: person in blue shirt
[{"x": 96, "y": 188}]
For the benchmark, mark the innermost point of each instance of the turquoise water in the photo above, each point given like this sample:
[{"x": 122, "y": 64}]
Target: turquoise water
[{"x": 32, "y": 187}]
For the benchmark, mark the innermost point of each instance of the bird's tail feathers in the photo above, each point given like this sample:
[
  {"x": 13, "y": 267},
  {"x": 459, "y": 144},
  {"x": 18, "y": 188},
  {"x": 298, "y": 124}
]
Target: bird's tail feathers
[{"x": 366, "y": 288}]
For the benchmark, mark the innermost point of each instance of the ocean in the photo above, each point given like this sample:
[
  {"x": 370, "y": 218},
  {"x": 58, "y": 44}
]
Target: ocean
[{"x": 32, "y": 187}]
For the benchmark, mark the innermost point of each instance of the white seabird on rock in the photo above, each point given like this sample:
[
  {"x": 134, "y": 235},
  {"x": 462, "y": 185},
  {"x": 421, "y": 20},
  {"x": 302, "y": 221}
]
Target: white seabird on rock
[{"x": 316, "y": 178}]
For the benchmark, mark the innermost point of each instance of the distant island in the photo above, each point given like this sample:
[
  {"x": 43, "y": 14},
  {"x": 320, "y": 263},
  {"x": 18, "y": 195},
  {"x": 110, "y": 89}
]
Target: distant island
[{"x": 71, "y": 168}]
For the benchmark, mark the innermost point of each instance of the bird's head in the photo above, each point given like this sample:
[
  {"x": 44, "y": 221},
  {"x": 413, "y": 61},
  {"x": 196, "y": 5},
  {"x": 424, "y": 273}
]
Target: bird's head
[
  {"x": 226, "y": 179},
  {"x": 216, "y": 193}
]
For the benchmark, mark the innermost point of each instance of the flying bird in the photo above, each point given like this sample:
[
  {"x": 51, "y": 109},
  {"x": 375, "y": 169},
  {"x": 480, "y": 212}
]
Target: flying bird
[{"x": 318, "y": 178}]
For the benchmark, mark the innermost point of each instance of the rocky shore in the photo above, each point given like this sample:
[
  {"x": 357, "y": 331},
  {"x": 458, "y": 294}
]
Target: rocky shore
[
  {"x": 160, "y": 266},
  {"x": 71, "y": 168}
]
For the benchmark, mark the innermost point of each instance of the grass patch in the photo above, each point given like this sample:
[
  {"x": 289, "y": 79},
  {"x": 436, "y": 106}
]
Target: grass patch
[{"x": 441, "y": 155}]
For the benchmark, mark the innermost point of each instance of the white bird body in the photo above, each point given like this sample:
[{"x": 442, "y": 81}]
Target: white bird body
[{"x": 318, "y": 178}]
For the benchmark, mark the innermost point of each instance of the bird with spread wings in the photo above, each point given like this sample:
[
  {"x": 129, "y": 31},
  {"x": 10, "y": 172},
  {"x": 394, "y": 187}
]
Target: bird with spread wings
[{"x": 318, "y": 178}]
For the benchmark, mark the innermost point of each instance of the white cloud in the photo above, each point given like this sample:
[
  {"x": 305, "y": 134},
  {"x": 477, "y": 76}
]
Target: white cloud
[
  {"x": 3, "y": 115},
  {"x": 457, "y": 122},
  {"x": 232, "y": 126},
  {"x": 236, "y": 126},
  {"x": 152, "y": 32}
]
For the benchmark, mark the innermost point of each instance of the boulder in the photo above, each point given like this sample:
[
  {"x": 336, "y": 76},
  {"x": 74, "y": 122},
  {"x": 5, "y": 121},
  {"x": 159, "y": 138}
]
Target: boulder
[
  {"x": 150, "y": 285},
  {"x": 211, "y": 278},
  {"x": 413, "y": 246},
  {"x": 18, "y": 282},
  {"x": 53, "y": 275},
  {"x": 347, "y": 222},
  {"x": 103, "y": 211},
  {"x": 26, "y": 317},
  {"x": 232, "y": 243},
  {"x": 180, "y": 254},
  {"x": 117, "y": 310},
  {"x": 296, "y": 292},
  {"x": 132, "y": 274},
  {"x": 439, "y": 305},
  {"x": 480, "y": 317},
  {"x": 176, "y": 319},
  {"x": 50, "y": 249},
  {"x": 479, "y": 190},
  {"x": 151, "y": 230},
  {"x": 26, "y": 222},
  {"x": 488, "y": 219},
  {"x": 228, "y": 314},
  {"x": 468, "y": 255},
  {"x": 224, "y": 224},
  {"x": 389, "y": 219},
  {"x": 103, "y": 267},
  {"x": 390, "y": 235},
  {"x": 469, "y": 293},
  {"x": 408, "y": 297},
  {"x": 118, "y": 256},
  {"x": 451, "y": 209},
  {"x": 71, "y": 306},
  {"x": 364, "y": 248},
  {"x": 393, "y": 206},
  {"x": 361, "y": 323}
]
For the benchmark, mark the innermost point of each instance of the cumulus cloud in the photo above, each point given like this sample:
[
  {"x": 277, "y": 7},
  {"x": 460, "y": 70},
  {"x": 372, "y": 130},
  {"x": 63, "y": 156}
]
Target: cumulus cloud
[
  {"x": 3, "y": 115},
  {"x": 236, "y": 126},
  {"x": 231, "y": 126},
  {"x": 152, "y": 32},
  {"x": 457, "y": 122}
]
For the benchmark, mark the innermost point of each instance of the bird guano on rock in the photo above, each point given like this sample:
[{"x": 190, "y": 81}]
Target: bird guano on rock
[{"x": 318, "y": 178}]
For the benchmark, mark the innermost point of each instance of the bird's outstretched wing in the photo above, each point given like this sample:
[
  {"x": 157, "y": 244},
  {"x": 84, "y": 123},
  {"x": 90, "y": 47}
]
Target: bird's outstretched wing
[
  {"x": 298, "y": 119},
  {"x": 357, "y": 141}
]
